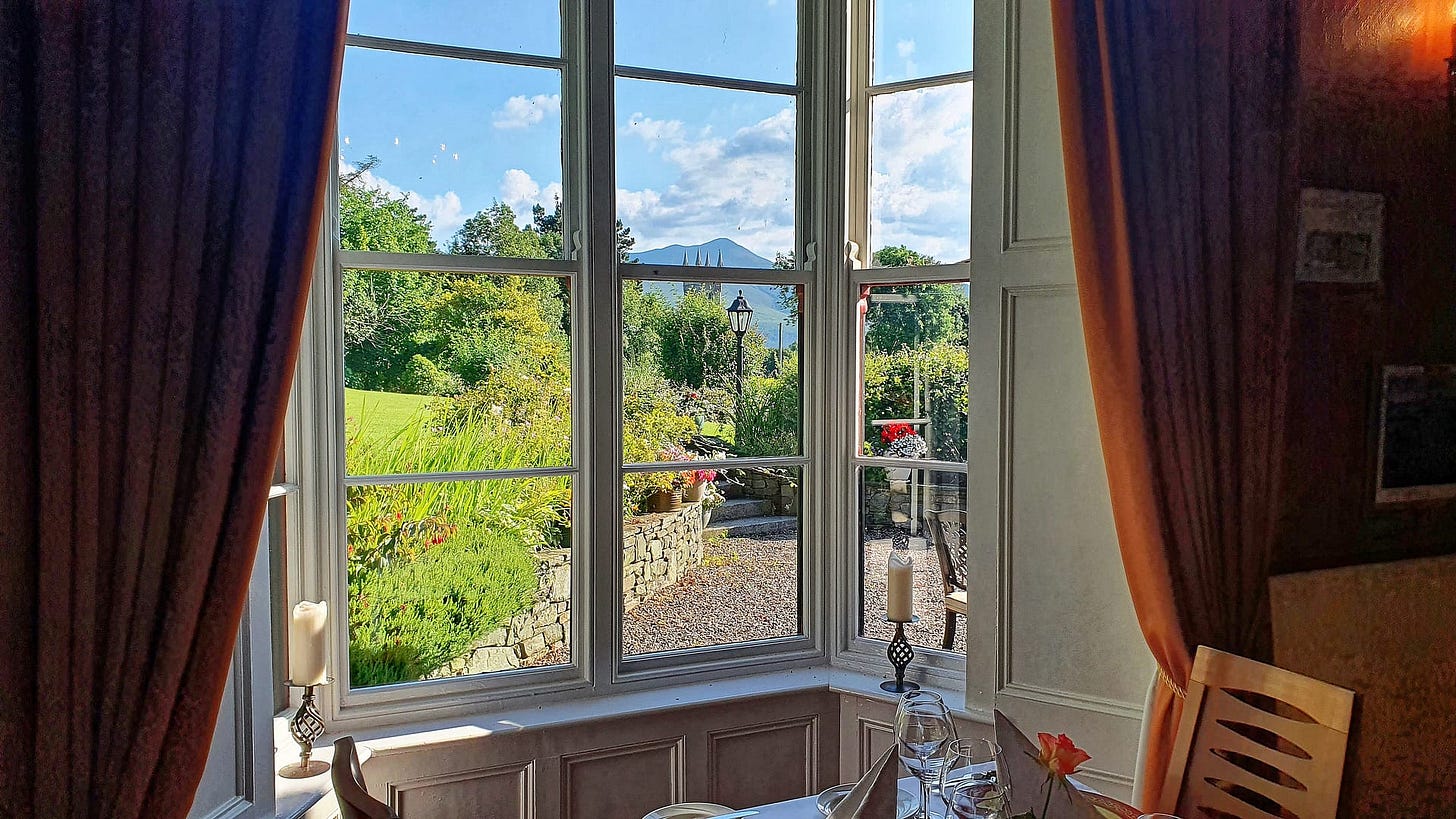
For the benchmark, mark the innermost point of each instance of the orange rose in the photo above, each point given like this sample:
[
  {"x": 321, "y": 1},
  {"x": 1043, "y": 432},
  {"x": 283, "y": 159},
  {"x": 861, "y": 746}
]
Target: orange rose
[{"x": 1060, "y": 755}]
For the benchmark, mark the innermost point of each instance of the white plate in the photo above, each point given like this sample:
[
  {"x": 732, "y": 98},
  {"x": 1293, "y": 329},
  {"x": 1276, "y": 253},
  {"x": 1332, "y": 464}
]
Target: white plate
[
  {"x": 689, "y": 810},
  {"x": 905, "y": 804}
]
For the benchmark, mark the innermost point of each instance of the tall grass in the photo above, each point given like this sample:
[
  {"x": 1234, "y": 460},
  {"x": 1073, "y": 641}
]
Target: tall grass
[{"x": 436, "y": 565}]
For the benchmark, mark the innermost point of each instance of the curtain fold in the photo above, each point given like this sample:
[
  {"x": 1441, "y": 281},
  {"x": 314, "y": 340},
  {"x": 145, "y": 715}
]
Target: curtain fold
[
  {"x": 1176, "y": 124},
  {"x": 161, "y": 176}
]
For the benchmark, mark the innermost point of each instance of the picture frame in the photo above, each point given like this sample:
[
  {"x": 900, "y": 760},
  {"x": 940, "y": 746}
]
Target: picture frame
[
  {"x": 1416, "y": 450},
  {"x": 1341, "y": 237}
]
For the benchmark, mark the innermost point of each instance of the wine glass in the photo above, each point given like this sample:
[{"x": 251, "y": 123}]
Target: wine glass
[
  {"x": 976, "y": 798},
  {"x": 973, "y": 759},
  {"x": 923, "y": 728}
]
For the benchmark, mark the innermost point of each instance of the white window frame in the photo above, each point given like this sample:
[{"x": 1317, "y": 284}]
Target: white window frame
[
  {"x": 853, "y": 650},
  {"x": 314, "y": 457}
]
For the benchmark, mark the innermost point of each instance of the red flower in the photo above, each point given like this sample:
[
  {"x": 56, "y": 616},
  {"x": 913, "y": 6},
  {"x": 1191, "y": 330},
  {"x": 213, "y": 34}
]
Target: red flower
[
  {"x": 1060, "y": 755},
  {"x": 894, "y": 432}
]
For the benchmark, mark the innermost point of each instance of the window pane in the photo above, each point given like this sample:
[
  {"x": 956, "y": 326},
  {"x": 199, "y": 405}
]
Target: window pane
[
  {"x": 450, "y": 579},
  {"x": 753, "y": 41},
  {"x": 449, "y": 156},
  {"x": 923, "y": 511},
  {"x": 713, "y": 572},
  {"x": 921, "y": 38},
  {"x": 680, "y": 370},
  {"x": 498, "y": 25},
  {"x": 705, "y": 171},
  {"x": 914, "y": 364},
  {"x": 920, "y": 175},
  {"x": 455, "y": 372}
]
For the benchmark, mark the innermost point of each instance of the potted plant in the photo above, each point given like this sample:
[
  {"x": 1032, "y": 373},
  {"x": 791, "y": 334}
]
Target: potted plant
[
  {"x": 697, "y": 483},
  {"x": 668, "y": 486}
]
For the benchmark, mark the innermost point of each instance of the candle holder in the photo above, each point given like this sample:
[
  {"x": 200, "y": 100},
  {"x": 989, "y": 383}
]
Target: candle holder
[
  {"x": 900, "y": 653},
  {"x": 306, "y": 725}
]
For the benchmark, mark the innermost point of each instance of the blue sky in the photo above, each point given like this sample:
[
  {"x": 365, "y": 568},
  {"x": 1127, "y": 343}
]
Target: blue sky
[{"x": 693, "y": 163}]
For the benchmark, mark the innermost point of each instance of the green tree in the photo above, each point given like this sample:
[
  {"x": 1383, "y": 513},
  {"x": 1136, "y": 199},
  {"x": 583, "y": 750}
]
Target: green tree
[
  {"x": 902, "y": 256},
  {"x": 494, "y": 232},
  {"x": 383, "y": 310},
  {"x": 916, "y": 315},
  {"x": 698, "y": 347}
]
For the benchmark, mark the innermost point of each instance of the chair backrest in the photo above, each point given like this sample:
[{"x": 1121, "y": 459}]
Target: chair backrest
[
  {"x": 1387, "y": 631},
  {"x": 1257, "y": 741},
  {"x": 947, "y": 529},
  {"x": 353, "y": 795}
]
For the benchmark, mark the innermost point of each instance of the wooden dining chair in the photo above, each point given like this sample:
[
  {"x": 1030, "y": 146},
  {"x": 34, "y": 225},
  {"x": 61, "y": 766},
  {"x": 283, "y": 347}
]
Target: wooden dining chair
[
  {"x": 353, "y": 795},
  {"x": 947, "y": 529},
  {"x": 1257, "y": 741}
]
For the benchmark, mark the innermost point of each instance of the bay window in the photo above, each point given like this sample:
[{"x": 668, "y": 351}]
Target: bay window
[{"x": 537, "y": 449}]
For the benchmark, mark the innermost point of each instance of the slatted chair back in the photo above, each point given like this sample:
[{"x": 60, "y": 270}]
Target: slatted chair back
[
  {"x": 947, "y": 530},
  {"x": 1257, "y": 742},
  {"x": 353, "y": 795}
]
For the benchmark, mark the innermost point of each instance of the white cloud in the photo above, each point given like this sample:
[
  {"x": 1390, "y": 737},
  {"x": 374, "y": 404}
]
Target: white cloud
[
  {"x": 921, "y": 176},
  {"x": 521, "y": 192},
  {"x": 905, "y": 48},
  {"x": 654, "y": 132},
  {"x": 523, "y": 112},
  {"x": 741, "y": 187},
  {"x": 445, "y": 211}
]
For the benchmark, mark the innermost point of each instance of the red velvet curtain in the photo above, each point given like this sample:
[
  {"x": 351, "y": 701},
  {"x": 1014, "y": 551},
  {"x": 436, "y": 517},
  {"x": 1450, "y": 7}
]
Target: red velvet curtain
[
  {"x": 1176, "y": 125},
  {"x": 161, "y": 178}
]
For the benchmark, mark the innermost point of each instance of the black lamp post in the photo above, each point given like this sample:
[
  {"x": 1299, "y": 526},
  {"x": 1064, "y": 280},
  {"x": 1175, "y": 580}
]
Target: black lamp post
[{"x": 739, "y": 314}]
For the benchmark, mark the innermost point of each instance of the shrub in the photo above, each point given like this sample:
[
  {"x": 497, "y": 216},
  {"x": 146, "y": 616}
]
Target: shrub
[
  {"x": 414, "y": 618},
  {"x": 766, "y": 418},
  {"x": 888, "y": 393}
]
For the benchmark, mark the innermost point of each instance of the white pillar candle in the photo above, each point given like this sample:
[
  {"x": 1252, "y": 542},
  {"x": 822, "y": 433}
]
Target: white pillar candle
[
  {"x": 307, "y": 643},
  {"x": 900, "y": 598}
]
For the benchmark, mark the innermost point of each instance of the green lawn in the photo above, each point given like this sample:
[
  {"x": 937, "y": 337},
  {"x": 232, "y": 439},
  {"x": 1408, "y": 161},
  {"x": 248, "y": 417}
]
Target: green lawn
[{"x": 382, "y": 414}]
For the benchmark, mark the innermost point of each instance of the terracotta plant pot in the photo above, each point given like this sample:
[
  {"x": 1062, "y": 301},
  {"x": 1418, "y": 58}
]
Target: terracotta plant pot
[
  {"x": 665, "y": 500},
  {"x": 693, "y": 493}
]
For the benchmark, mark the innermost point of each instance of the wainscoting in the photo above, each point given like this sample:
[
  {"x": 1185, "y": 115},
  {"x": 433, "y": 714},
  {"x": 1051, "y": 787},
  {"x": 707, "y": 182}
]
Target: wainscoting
[{"x": 741, "y": 753}]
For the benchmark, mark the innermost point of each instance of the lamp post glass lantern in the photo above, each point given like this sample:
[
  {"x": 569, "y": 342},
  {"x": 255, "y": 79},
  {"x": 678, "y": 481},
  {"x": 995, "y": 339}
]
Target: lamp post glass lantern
[{"x": 739, "y": 315}]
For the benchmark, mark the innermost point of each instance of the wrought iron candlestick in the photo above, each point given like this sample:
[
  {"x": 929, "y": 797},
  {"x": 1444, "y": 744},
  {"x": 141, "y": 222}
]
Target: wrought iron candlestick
[
  {"x": 306, "y": 725},
  {"x": 900, "y": 654}
]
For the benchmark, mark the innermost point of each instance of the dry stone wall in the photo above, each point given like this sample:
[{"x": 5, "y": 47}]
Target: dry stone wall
[{"x": 657, "y": 551}]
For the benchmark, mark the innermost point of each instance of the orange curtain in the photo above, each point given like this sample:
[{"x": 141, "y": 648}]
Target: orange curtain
[
  {"x": 1176, "y": 125},
  {"x": 161, "y": 184}
]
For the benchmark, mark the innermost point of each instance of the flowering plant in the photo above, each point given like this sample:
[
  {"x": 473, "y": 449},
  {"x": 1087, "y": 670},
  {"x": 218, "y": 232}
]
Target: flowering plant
[
  {"x": 698, "y": 476},
  {"x": 894, "y": 432},
  {"x": 1061, "y": 758}
]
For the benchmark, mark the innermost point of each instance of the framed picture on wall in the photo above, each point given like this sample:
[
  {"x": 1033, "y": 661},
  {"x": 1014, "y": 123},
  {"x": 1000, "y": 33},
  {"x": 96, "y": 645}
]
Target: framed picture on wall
[
  {"x": 1341, "y": 236},
  {"x": 1417, "y": 449}
]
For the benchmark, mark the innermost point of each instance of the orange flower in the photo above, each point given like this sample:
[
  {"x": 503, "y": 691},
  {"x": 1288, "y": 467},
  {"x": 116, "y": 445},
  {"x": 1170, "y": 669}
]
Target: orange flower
[{"x": 1060, "y": 755}]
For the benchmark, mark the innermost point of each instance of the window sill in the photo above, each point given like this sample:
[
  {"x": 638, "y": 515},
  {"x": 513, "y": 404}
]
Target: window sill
[{"x": 313, "y": 798}]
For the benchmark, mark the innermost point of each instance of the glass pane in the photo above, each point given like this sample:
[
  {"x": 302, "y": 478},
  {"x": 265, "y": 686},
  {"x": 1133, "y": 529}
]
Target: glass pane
[
  {"x": 920, "y": 176},
  {"x": 458, "y": 578},
  {"x": 680, "y": 370},
  {"x": 751, "y": 41},
  {"x": 922, "y": 511},
  {"x": 455, "y": 372},
  {"x": 915, "y": 361},
  {"x": 705, "y": 174},
  {"x": 498, "y": 25},
  {"x": 921, "y": 38},
  {"x": 714, "y": 571},
  {"x": 439, "y": 155}
]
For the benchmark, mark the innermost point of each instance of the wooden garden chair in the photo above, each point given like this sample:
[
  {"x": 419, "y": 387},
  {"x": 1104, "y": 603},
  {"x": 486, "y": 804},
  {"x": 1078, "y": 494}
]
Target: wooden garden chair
[{"x": 947, "y": 530}]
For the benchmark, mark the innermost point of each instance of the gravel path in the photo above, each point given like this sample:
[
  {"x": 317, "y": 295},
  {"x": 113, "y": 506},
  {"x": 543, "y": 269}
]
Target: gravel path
[
  {"x": 929, "y": 594},
  {"x": 746, "y": 589}
]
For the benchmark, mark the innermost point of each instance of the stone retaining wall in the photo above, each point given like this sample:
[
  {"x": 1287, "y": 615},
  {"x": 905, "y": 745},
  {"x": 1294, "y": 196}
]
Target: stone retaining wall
[
  {"x": 657, "y": 550},
  {"x": 784, "y": 492},
  {"x": 890, "y": 504}
]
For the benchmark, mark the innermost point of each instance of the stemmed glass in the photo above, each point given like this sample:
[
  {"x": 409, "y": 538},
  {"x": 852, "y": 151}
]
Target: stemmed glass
[
  {"x": 923, "y": 728},
  {"x": 976, "y": 760},
  {"x": 976, "y": 798}
]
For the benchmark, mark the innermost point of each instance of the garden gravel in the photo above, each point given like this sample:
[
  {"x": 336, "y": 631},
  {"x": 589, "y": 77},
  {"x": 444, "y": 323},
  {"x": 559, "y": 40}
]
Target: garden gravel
[{"x": 746, "y": 589}]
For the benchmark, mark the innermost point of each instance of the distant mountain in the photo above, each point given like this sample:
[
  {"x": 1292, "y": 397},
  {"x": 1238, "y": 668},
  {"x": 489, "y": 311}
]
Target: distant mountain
[
  {"x": 733, "y": 255},
  {"x": 762, "y": 298}
]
